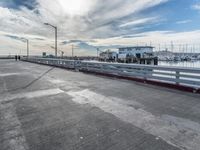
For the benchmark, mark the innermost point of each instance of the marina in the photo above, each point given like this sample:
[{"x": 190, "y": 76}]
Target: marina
[{"x": 188, "y": 64}]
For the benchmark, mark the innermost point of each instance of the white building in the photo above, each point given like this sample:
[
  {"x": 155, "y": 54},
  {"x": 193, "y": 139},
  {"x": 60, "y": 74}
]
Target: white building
[
  {"x": 137, "y": 52},
  {"x": 108, "y": 56},
  {"x": 198, "y": 57}
]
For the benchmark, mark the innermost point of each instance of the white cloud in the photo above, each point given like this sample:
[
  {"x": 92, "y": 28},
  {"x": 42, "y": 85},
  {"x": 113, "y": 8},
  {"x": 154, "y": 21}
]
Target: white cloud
[
  {"x": 74, "y": 18},
  {"x": 155, "y": 38},
  {"x": 140, "y": 21},
  {"x": 196, "y": 6},
  {"x": 76, "y": 7},
  {"x": 79, "y": 19},
  {"x": 183, "y": 21}
]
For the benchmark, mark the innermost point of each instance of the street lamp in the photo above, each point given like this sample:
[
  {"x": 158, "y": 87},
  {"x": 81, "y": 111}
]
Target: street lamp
[
  {"x": 97, "y": 53},
  {"x": 56, "y": 36},
  {"x": 27, "y": 42}
]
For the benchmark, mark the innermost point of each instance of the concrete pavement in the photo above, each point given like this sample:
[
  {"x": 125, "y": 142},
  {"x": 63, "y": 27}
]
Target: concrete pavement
[{"x": 45, "y": 108}]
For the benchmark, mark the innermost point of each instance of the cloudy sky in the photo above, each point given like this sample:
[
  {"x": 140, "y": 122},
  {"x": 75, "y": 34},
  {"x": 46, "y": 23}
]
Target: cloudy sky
[{"x": 88, "y": 24}]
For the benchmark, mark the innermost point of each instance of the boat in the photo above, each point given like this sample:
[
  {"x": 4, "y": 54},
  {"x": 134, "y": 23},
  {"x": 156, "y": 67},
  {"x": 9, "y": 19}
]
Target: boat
[{"x": 177, "y": 58}]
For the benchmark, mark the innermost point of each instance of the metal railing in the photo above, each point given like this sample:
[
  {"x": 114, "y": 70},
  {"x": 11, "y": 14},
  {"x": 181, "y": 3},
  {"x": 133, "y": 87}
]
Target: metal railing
[
  {"x": 173, "y": 75},
  {"x": 69, "y": 64}
]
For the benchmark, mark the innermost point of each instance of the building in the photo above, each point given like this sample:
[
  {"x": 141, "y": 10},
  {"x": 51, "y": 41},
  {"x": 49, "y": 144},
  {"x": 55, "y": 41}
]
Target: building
[
  {"x": 137, "y": 54},
  {"x": 108, "y": 56},
  {"x": 44, "y": 54},
  {"x": 137, "y": 51}
]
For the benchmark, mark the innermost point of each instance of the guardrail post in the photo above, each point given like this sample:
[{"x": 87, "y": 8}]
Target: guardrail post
[
  {"x": 74, "y": 65},
  {"x": 102, "y": 68},
  {"x": 87, "y": 66},
  {"x": 145, "y": 73},
  {"x": 177, "y": 77}
]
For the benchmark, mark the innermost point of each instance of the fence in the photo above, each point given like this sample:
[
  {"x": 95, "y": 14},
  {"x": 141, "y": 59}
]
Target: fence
[{"x": 189, "y": 77}]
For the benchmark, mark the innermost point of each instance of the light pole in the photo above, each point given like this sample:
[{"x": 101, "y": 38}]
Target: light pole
[
  {"x": 98, "y": 52},
  {"x": 27, "y": 50},
  {"x": 72, "y": 51},
  {"x": 56, "y": 37}
]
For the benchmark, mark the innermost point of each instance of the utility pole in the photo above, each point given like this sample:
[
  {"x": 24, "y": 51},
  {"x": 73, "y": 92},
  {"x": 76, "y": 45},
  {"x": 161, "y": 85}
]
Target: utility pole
[
  {"x": 193, "y": 49},
  {"x": 72, "y": 51},
  {"x": 172, "y": 46},
  {"x": 186, "y": 49},
  {"x": 62, "y": 54}
]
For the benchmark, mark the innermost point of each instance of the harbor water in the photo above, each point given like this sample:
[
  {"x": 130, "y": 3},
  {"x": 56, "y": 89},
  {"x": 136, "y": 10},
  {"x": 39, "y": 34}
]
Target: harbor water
[{"x": 189, "y": 64}]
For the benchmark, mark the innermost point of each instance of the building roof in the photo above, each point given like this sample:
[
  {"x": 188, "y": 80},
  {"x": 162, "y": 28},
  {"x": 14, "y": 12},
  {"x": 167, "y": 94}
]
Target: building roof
[{"x": 136, "y": 47}]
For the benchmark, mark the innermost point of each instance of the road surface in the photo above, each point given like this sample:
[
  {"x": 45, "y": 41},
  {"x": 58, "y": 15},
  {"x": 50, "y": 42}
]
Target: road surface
[{"x": 46, "y": 108}]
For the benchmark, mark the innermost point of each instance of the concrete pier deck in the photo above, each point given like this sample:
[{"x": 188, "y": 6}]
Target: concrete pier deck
[{"x": 47, "y": 108}]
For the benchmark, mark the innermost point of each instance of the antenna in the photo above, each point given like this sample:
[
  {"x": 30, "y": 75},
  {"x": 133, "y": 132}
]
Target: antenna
[
  {"x": 72, "y": 50},
  {"x": 97, "y": 52},
  {"x": 172, "y": 47}
]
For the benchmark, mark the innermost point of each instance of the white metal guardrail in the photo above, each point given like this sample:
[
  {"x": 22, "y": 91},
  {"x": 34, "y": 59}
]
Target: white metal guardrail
[
  {"x": 69, "y": 64},
  {"x": 174, "y": 75},
  {"x": 182, "y": 76}
]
